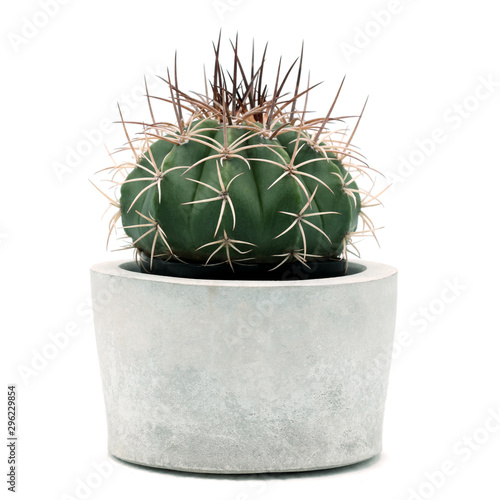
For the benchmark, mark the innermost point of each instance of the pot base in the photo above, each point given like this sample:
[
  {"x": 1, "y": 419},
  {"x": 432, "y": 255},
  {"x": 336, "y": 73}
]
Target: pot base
[{"x": 248, "y": 472}]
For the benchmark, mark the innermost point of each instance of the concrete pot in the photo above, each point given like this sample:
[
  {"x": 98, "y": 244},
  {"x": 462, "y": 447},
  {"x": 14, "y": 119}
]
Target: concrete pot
[{"x": 244, "y": 376}]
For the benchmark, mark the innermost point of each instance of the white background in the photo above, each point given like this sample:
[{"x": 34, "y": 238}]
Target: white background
[{"x": 424, "y": 66}]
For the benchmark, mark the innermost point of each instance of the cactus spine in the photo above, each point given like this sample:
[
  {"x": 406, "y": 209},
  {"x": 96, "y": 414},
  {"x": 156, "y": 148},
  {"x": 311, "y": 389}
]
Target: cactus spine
[{"x": 243, "y": 175}]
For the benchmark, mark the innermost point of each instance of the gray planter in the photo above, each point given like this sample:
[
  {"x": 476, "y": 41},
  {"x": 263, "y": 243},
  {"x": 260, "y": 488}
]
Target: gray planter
[{"x": 244, "y": 377}]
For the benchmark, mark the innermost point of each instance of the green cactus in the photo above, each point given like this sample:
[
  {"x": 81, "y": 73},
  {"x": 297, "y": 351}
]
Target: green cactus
[{"x": 245, "y": 177}]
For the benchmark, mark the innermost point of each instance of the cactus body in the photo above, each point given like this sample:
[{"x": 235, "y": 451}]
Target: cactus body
[
  {"x": 255, "y": 198},
  {"x": 242, "y": 178}
]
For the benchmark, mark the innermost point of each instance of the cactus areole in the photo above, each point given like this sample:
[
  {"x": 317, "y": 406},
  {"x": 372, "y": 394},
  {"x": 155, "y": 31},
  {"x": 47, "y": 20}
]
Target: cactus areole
[{"x": 244, "y": 182}]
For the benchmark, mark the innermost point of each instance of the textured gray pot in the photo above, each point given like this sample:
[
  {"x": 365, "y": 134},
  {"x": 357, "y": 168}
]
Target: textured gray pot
[{"x": 240, "y": 376}]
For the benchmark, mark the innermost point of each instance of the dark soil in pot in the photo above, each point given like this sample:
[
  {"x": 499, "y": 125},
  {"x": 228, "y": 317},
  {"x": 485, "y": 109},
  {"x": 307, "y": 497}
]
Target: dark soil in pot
[{"x": 263, "y": 272}]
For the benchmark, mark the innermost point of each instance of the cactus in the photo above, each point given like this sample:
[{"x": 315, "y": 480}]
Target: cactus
[{"x": 243, "y": 175}]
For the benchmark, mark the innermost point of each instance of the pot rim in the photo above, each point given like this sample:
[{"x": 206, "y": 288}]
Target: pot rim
[{"x": 366, "y": 271}]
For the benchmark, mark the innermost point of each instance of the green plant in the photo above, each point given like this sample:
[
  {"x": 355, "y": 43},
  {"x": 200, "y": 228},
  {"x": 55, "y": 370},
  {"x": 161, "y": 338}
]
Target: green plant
[{"x": 243, "y": 175}]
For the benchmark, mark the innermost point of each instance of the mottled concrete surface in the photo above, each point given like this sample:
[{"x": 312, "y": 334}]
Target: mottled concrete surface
[{"x": 244, "y": 377}]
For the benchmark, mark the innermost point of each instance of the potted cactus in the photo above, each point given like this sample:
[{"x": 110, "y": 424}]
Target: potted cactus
[{"x": 241, "y": 340}]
